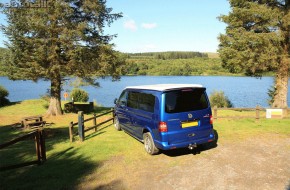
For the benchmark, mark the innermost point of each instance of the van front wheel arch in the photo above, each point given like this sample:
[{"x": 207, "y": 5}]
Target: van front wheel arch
[{"x": 149, "y": 145}]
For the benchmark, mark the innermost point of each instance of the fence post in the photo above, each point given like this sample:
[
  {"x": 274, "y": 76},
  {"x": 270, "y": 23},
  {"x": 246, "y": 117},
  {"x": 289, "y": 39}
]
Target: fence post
[
  {"x": 37, "y": 146},
  {"x": 81, "y": 125},
  {"x": 215, "y": 112},
  {"x": 70, "y": 128},
  {"x": 42, "y": 144},
  {"x": 95, "y": 122},
  {"x": 257, "y": 112}
]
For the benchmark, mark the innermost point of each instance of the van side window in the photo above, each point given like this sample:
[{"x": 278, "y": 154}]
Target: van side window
[
  {"x": 146, "y": 102},
  {"x": 133, "y": 100},
  {"x": 141, "y": 101},
  {"x": 185, "y": 100},
  {"x": 123, "y": 99}
]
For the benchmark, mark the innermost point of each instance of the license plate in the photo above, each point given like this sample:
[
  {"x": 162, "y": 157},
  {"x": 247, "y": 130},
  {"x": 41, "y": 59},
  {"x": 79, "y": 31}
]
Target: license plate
[{"x": 189, "y": 124}]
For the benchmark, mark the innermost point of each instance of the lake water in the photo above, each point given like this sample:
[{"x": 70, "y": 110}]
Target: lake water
[{"x": 242, "y": 91}]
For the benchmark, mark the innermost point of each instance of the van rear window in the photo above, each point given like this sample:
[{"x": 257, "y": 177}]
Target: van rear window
[{"x": 185, "y": 100}]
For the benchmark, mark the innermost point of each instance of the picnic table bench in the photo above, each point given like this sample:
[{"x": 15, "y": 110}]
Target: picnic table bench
[{"x": 32, "y": 121}]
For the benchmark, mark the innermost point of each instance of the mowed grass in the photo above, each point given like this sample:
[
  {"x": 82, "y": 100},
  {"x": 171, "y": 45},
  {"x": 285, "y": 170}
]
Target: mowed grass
[{"x": 69, "y": 164}]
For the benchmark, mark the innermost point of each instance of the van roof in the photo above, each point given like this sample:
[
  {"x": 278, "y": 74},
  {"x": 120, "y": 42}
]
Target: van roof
[{"x": 164, "y": 87}]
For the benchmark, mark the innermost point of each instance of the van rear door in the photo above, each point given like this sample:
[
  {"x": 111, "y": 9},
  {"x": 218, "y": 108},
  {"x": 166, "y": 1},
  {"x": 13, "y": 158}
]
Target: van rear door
[{"x": 187, "y": 114}]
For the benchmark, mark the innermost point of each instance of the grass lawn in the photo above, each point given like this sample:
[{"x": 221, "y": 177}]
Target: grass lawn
[{"x": 69, "y": 164}]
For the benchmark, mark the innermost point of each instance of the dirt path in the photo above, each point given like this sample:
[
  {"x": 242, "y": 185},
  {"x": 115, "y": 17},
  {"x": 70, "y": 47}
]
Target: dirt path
[{"x": 256, "y": 163}]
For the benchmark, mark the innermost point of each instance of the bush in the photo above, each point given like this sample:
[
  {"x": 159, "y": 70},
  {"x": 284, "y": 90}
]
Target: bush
[
  {"x": 3, "y": 94},
  {"x": 79, "y": 95},
  {"x": 219, "y": 99},
  {"x": 46, "y": 98}
]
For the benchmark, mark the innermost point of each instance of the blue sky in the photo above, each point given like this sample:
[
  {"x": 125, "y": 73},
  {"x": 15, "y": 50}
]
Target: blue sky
[{"x": 163, "y": 25}]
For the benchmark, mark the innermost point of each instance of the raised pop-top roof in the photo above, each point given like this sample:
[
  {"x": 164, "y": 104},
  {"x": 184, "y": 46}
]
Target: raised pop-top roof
[{"x": 165, "y": 87}]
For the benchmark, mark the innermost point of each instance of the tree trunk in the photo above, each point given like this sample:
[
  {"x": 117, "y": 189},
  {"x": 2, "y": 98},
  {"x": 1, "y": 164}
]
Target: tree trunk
[
  {"x": 280, "y": 97},
  {"x": 54, "y": 108}
]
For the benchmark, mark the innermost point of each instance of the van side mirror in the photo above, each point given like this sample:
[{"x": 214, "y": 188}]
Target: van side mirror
[{"x": 115, "y": 101}]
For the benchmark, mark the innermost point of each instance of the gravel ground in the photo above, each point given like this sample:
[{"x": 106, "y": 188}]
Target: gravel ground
[{"x": 255, "y": 163}]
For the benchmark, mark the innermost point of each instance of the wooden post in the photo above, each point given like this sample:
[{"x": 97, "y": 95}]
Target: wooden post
[
  {"x": 215, "y": 112},
  {"x": 81, "y": 125},
  {"x": 37, "y": 146},
  {"x": 95, "y": 122},
  {"x": 257, "y": 112},
  {"x": 70, "y": 128},
  {"x": 42, "y": 144}
]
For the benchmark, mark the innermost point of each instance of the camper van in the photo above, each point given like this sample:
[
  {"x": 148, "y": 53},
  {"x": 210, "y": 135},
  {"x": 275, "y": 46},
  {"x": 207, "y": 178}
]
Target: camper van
[{"x": 165, "y": 116}]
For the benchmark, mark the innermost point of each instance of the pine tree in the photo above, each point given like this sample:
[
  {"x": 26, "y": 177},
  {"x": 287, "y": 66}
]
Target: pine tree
[
  {"x": 64, "y": 38},
  {"x": 257, "y": 40}
]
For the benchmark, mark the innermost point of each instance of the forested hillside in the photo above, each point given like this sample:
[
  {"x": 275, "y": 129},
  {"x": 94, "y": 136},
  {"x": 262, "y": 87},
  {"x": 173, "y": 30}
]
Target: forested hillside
[
  {"x": 173, "y": 63},
  {"x": 164, "y": 63},
  {"x": 167, "y": 55}
]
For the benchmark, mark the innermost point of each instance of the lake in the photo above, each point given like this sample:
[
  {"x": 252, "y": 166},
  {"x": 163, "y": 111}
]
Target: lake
[{"x": 242, "y": 91}]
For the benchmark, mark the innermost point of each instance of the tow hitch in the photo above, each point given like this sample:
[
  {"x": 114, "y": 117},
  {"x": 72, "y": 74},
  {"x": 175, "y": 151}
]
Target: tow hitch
[{"x": 192, "y": 146}]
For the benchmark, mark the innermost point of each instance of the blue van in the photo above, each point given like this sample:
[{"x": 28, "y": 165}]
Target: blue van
[{"x": 165, "y": 116}]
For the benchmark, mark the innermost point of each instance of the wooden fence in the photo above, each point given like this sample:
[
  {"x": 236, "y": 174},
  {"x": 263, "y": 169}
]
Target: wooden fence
[
  {"x": 257, "y": 114},
  {"x": 39, "y": 139},
  {"x": 81, "y": 125}
]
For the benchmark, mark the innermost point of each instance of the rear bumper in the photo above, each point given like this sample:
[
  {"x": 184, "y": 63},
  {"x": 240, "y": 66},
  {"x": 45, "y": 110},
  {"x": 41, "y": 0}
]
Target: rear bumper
[{"x": 185, "y": 144}]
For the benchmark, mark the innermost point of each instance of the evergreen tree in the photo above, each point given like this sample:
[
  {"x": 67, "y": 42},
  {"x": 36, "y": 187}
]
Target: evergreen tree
[
  {"x": 63, "y": 38},
  {"x": 257, "y": 41}
]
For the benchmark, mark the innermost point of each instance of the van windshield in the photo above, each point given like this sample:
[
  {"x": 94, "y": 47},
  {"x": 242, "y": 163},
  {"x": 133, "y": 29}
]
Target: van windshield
[{"x": 185, "y": 100}]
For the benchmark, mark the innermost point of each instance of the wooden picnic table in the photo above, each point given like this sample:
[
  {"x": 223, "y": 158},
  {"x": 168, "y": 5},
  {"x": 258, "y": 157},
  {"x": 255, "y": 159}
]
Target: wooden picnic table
[{"x": 32, "y": 121}]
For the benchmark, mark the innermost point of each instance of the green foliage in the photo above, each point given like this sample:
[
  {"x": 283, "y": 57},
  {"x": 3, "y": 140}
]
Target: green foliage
[
  {"x": 64, "y": 39},
  {"x": 4, "y": 55},
  {"x": 180, "y": 67},
  {"x": 79, "y": 95},
  {"x": 166, "y": 55},
  {"x": 74, "y": 44},
  {"x": 255, "y": 36},
  {"x": 3, "y": 96},
  {"x": 257, "y": 41},
  {"x": 219, "y": 99},
  {"x": 46, "y": 98}
]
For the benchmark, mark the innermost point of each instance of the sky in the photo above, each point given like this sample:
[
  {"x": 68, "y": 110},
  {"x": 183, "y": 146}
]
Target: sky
[{"x": 164, "y": 25}]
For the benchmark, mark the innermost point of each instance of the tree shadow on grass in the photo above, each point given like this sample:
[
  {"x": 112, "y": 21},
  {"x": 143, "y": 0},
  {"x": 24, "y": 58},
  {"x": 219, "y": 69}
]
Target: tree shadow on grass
[
  {"x": 7, "y": 104},
  {"x": 198, "y": 150},
  {"x": 64, "y": 170},
  {"x": 65, "y": 167},
  {"x": 9, "y": 131}
]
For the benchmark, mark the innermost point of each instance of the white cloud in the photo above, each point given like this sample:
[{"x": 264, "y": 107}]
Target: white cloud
[
  {"x": 131, "y": 25},
  {"x": 149, "y": 25}
]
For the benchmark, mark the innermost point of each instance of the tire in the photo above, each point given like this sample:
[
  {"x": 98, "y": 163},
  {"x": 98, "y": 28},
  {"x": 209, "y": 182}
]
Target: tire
[
  {"x": 117, "y": 124},
  {"x": 149, "y": 145}
]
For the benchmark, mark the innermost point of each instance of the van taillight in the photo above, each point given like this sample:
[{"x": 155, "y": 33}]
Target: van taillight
[
  {"x": 162, "y": 126},
  {"x": 211, "y": 119}
]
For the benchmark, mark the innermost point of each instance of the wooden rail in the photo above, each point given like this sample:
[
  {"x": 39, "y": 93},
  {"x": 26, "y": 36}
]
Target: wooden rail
[
  {"x": 39, "y": 139},
  {"x": 32, "y": 121},
  {"x": 257, "y": 110},
  {"x": 81, "y": 124}
]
